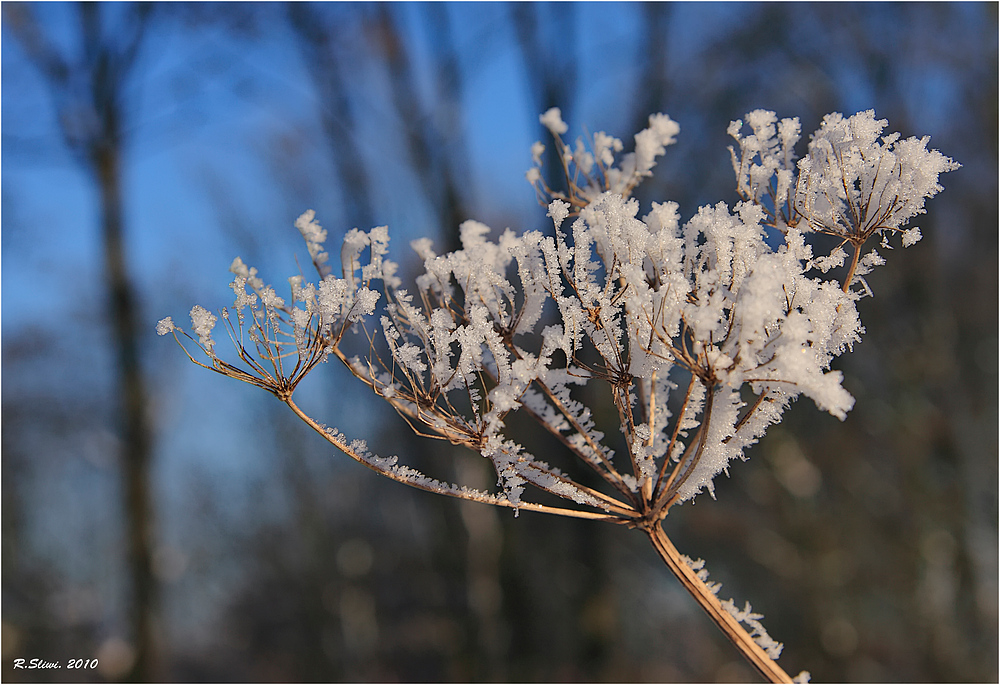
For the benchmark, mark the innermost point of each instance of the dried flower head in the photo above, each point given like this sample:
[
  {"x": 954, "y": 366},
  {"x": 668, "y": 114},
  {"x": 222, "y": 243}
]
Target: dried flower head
[{"x": 711, "y": 310}]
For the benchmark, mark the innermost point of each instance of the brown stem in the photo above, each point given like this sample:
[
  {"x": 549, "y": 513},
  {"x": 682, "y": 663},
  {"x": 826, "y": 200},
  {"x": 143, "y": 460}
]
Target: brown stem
[
  {"x": 854, "y": 266},
  {"x": 660, "y": 483},
  {"x": 484, "y": 498},
  {"x": 758, "y": 658},
  {"x": 684, "y": 468}
]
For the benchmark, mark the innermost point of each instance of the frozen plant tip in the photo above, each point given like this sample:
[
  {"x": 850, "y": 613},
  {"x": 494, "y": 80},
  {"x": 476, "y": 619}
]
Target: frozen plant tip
[{"x": 701, "y": 333}]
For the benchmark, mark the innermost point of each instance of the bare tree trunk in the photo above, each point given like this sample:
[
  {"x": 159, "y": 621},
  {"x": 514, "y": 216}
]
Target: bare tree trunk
[
  {"x": 131, "y": 391},
  {"x": 87, "y": 89},
  {"x": 654, "y": 84},
  {"x": 433, "y": 136},
  {"x": 550, "y": 66},
  {"x": 319, "y": 47}
]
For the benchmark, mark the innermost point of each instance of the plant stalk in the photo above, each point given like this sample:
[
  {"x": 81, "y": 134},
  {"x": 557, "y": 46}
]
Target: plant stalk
[{"x": 758, "y": 658}]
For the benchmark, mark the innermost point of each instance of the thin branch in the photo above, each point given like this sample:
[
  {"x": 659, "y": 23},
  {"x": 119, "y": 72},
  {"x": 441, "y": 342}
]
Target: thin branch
[
  {"x": 469, "y": 495},
  {"x": 767, "y": 667}
]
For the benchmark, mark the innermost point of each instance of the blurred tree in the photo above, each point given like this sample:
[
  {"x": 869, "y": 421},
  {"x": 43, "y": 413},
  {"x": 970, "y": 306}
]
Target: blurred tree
[
  {"x": 330, "y": 69},
  {"x": 88, "y": 90},
  {"x": 547, "y": 38}
]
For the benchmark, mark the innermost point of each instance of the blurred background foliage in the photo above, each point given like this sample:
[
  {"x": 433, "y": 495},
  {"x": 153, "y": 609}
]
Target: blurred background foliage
[{"x": 178, "y": 526}]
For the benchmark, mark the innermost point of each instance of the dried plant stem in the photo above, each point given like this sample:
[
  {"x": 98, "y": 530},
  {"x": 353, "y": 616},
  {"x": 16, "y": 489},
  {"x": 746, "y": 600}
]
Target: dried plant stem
[
  {"x": 472, "y": 496},
  {"x": 741, "y": 639},
  {"x": 854, "y": 267}
]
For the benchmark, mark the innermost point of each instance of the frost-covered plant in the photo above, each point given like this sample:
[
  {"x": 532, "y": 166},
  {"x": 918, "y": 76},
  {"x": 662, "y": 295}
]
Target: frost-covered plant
[{"x": 702, "y": 332}]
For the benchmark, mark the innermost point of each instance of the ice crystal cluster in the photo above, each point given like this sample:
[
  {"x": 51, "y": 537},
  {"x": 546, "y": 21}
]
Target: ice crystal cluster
[{"x": 700, "y": 331}]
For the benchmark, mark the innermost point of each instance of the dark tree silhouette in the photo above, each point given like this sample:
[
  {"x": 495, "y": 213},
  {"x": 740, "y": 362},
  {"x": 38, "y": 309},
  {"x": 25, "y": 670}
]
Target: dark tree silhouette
[{"x": 88, "y": 89}]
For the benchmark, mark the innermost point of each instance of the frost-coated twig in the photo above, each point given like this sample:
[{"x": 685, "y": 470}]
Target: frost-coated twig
[
  {"x": 707, "y": 599},
  {"x": 390, "y": 468},
  {"x": 638, "y": 306}
]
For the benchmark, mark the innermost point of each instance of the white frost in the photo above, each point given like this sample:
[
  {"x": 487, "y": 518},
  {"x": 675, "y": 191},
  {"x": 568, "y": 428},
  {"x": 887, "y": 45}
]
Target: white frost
[{"x": 730, "y": 309}]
